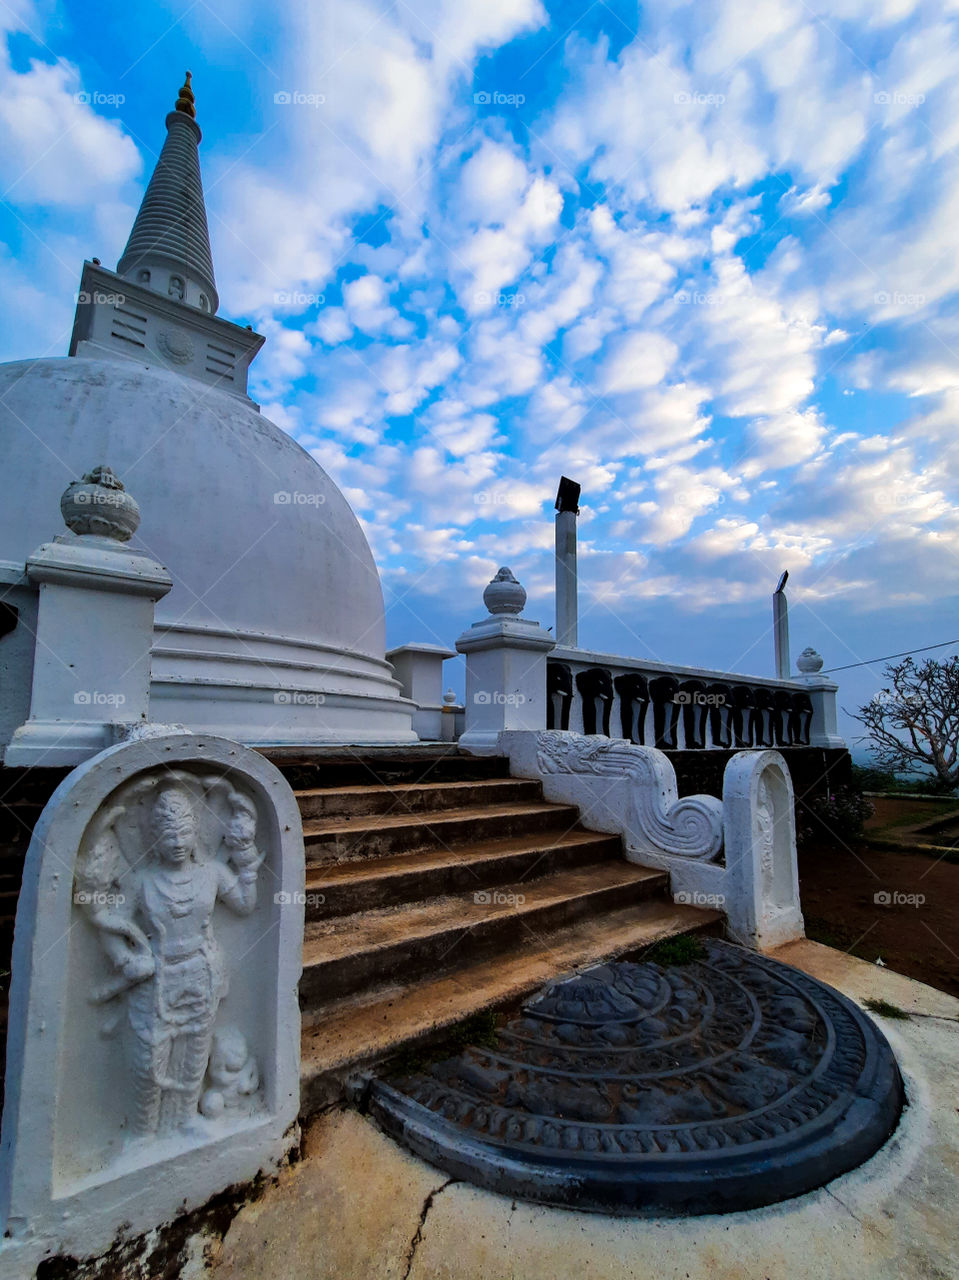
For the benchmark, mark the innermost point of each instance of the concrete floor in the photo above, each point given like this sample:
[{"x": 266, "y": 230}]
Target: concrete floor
[{"x": 357, "y": 1207}]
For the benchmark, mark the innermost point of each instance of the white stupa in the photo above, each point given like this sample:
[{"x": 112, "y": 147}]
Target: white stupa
[{"x": 273, "y": 632}]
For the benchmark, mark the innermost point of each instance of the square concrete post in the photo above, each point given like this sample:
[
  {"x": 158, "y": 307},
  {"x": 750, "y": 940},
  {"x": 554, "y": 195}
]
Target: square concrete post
[
  {"x": 824, "y": 729},
  {"x": 419, "y": 669},
  {"x": 505, "y": 668},
  {"x": 94, "y": 630}
]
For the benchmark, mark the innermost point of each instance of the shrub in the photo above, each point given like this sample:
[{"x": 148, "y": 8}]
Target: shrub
[{"x": 838, "y": 815}]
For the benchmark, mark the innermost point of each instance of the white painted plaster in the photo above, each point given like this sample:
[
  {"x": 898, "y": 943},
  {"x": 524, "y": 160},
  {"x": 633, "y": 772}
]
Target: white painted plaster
[{"x": 114, "y": 939}]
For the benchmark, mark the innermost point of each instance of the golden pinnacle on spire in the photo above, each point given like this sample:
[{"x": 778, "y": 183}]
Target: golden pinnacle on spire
[{"x": 186, "y": 101}]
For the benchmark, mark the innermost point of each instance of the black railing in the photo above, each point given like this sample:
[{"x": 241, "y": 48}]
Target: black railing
[{"x": 672, "y": 712}]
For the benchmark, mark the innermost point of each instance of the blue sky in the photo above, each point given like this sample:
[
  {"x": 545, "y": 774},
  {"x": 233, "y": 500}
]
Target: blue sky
[{"x": 700, "y": 257}]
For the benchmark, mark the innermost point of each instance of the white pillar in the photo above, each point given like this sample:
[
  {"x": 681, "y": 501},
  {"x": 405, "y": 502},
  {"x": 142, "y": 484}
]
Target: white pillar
[
  {"x": 505, "y": 668},
  {"x": 567, "y": 585},
  {"x": 91, "y": 669},
  {"x": 781, "y": 630},
  {"x": 824, "y": 729},
  {"x": 419, "y": 670}
]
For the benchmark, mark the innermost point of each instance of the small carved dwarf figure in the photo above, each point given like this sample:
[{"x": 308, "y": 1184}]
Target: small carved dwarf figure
[
  {"x": 232, "y": 1076},
  {"x": 163, "y": 945}
]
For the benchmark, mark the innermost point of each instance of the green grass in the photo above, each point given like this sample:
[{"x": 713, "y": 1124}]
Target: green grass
[
  {"x": 885, "y": 1009},
  {"x": 682, "y": 950}
]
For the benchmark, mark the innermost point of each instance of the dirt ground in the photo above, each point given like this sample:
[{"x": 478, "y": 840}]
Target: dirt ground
[
  {"x": 892, "y": 812},
  {"x": 902, "y": 908}
]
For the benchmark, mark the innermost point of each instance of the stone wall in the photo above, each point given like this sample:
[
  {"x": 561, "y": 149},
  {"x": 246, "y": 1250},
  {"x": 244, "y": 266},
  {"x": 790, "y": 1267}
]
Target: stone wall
[{"x": 813, "y": 770}]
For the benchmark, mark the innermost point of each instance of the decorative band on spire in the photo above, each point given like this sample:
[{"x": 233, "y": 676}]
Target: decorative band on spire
[{"x": 186, "y": 102}]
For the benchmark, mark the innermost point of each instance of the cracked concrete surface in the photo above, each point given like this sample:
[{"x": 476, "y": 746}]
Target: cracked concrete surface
[
  {"x": 424, "y": 1213},
  {"x": 357, "y": 1207}
]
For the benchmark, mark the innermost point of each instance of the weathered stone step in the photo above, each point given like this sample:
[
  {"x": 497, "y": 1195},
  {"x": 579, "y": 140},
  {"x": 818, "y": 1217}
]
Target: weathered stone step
[
  {"x": 384, "y": 766},
  {"x": 354, "y": 1036},
  {"x": 346, "y": 887},
  {"x": 351, "y": 953},
  {"x": 380, "y": 836},
  {"x": 413, "y": 797}
]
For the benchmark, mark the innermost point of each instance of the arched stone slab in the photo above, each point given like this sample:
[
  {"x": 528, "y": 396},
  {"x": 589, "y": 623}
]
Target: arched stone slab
[
  {"x": 723, "y": 1084},
  {"x": 153, "y": 1054}
]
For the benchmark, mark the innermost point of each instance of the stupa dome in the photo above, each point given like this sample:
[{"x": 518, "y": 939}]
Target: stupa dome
[{"x": 274, "y": 629}]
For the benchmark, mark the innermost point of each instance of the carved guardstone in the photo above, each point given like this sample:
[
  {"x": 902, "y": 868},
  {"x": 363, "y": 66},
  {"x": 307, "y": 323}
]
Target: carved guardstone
[
  {"x": 153, "y": 1055},
  {"x": 724, "y": 1084},
  {"x": 737, "y": 854}
]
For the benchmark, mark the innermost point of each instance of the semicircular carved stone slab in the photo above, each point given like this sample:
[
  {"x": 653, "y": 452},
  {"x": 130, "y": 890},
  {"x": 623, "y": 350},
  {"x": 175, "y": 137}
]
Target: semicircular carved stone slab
[
  {"x": 153, "y": 1054},
  {"x": 723, "y": 1084},
  {"x": 656, "y": 819}
]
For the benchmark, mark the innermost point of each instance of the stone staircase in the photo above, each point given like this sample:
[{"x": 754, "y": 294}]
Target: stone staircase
[{"x": 437, "y": 888}]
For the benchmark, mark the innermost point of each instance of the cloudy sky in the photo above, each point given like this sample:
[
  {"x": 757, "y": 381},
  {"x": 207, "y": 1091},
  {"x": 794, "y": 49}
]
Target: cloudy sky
[{"x": 701, "y": 257}]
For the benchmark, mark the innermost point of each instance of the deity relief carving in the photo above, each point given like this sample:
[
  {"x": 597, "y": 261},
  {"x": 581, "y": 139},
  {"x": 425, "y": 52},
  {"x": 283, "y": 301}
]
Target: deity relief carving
[
  {"x": 163, "y": 858},
  {"x": 765, "y": 822}
]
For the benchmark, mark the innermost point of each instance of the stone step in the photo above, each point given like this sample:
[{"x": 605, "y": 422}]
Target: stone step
[
  {"x": 380, "y": 836},
  {"x": 386, "y": 766},
  {"x": 352, "y": 953},
  {"x": 357, "y": 1034},
  {"x": 347, "y": 887},
  {"x": 413, "y": 797}
]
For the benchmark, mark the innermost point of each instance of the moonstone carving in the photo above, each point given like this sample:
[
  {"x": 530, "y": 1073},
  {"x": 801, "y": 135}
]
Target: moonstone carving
[
  {"x": 723, "y": 1084},
  {"x": 656, "y": 819},
  {"x": 150, "y": 879}
]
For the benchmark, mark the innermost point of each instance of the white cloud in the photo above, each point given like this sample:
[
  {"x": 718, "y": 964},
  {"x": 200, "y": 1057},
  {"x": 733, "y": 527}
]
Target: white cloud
[
  {"x": 55, "y": 147},
  {"x": 636, "y": 361}
]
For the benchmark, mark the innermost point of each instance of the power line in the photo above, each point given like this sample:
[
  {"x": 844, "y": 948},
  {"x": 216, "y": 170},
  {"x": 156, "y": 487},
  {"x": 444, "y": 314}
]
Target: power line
[{"x": 922, "y": 649}]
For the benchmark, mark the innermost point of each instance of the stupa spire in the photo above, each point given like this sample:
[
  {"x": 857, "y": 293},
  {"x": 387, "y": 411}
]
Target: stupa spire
[{"x": 169, "y": 246}]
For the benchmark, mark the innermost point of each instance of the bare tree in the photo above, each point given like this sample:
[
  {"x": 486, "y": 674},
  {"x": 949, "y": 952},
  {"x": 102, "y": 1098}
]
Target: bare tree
[{"x": 914, "y": 722}]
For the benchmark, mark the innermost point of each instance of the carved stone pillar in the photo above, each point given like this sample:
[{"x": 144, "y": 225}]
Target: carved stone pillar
[
  {"x": 94, "y": 630},
  {"x": 505, "y": 668}
]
